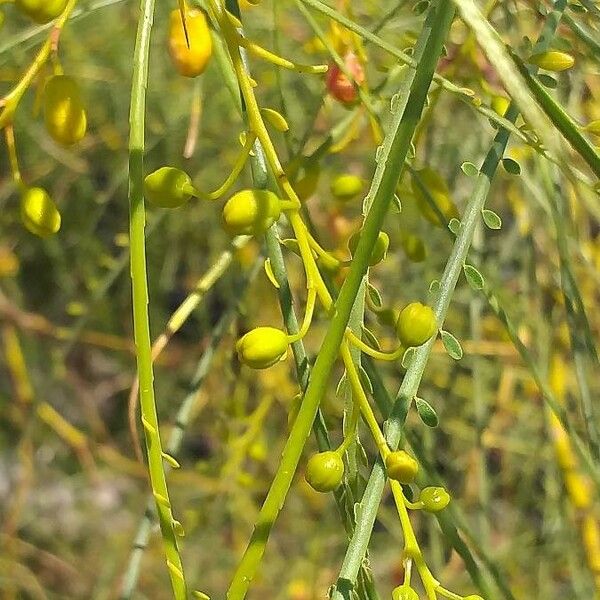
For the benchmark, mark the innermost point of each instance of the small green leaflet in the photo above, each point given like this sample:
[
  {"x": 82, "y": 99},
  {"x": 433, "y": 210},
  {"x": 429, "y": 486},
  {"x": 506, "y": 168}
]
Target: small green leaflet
[
  {"x": 426, "y": 412},
  {"x": 454, "y": 226},
  {"x": 491, "y": 219},
  {"x": 374, "y": 295},
  {"x": 452, "y": 345},
  {"x": 474, "y": 277},
  {"x": 469, "y": 169},
  {"x": 407, "y": 358},
  {"x": 547, "y": 81},
  {"x": 364, "y": 380},
  {"x": 369, "y": 338},
  {"x": 511, "y": 166}
]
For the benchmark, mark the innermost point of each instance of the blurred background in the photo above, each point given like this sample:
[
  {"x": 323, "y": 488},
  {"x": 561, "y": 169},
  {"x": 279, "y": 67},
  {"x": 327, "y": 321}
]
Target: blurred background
[{"x": 73, "y": 493}]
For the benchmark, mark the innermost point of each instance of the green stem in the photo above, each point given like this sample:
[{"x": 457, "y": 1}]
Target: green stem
[
  {"x": 451, "y": 519},
  {"x": 343, "y": 495},
  {"x": 140, "y": 299},
  {"x": 480, "y": 408},
  {"x": 427, "y": 52},
  {"x": 583, "y": 34},
  {"x": 410, "y": 384},
  {"x": 390, "y": 159},
  {"x": 560, "y": 118},
  {"x": 182, "y": 420}
]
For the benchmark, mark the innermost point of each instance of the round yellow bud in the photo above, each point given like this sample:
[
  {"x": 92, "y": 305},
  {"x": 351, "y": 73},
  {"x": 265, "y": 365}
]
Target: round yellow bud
[
  {"x": 416, "y": 324},
  {"x": 168, "y": 187},
  {"x": 39, "y": 213},
  {"x": 324, "y": 471},
  {"x": 404, "y": 592},
  {"x": 41, "y": 11},
  {"x": 434, "y": 499},
  {"x": 401, "y": 466},
  {"x": 553, "y": 60},
  {"x": 64, "y": 112},
  {"x": 413, "y": 247},
  {"x": 251, "y": 212},
  {"x": 262, "y": 347},
  {"x": 346, "y": 187}
]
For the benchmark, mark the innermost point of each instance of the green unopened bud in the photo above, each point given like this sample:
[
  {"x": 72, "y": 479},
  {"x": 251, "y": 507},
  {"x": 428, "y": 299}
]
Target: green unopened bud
[
  {"x": 168, "y": 187},
  {"x": 401, "y": 466},
  {"x": 404, "y": 592},
  {"x": 379, "y": 250},
  {"x": 553, "y": 60},
  {"x": 413, "y": 247},
  {"x": 39, "y": 213},
  {"x": 324, "y": 471},
  {"x": 251, "y": 212},
  {"x": 41, "y": 11},
  {"x": 434, "y": 499},
  {"x": 64, "y": 111},
  {"x": 416, "y": 324},
  {"x": 262, "y": 347},
  {"x": 346, "y": 187}
]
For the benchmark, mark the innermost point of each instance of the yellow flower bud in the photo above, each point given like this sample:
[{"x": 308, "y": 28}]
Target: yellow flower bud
[
  {"x": 41, "y": 11},
  {"x": 434, "y": 499},
  {"x": 39, "y": 213},
  {"x": 401, "y": 466},
  {"x": 64, "y": 112},
  {"x": 262, "y": 347},
  {"x": 189, "y": 61},
  {"x": 324, "y": 471},
  {"x": 168, "y": 187},
  {"x": 404, "y": 592},
  {"x": 416, "y": 324},
  {"x": 553, "y": 60},
  {"x": 413, "y": 247},
  {"x": 346, "y": 187},
  {"x": 251, "y": 212}
]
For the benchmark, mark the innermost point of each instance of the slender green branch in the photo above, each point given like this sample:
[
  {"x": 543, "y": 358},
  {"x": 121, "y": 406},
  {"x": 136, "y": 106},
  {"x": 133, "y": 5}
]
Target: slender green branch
[
  {"x": 583, "y": 34},
  {"x": 344, "y": 495},
  {"x": 182, "y": 420},
  {"x": 140, "y": 299},
  {"x": 428, "y": 52},
  {"x": 411, "y": 381},
  {"x": 561, "y": 119},
  {"x": 391, "y": 156}
]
